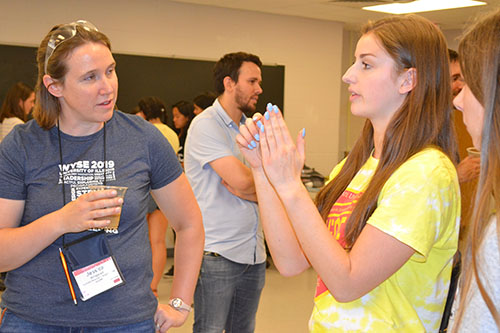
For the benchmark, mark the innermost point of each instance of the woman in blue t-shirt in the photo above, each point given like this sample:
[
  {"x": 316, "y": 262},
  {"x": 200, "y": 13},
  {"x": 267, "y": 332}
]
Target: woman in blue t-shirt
[{"x": 46, "y": 168}]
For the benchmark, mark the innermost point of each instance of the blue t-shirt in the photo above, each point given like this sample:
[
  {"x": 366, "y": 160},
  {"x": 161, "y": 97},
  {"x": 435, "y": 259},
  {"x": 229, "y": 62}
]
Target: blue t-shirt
[
  {"x": 232, "y": 226},
  {"x": 137, "y": 156}
]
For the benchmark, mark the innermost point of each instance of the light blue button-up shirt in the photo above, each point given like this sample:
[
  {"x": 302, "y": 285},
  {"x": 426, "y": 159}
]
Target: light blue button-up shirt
[{"x": 232, "y": 226}]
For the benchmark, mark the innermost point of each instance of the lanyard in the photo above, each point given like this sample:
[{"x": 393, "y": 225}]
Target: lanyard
[{"x": 62, "y": 168}]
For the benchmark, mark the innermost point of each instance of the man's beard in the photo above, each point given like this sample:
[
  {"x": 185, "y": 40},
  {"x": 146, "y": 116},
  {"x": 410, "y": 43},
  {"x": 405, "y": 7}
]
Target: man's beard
[{"x": 247, "y": 109}]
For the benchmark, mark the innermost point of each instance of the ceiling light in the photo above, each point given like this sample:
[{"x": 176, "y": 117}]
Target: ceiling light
[{"x": 423, "y": 6}]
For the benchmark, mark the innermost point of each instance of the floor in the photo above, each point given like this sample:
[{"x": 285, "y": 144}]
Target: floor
[{"x": 285, "y": 305}]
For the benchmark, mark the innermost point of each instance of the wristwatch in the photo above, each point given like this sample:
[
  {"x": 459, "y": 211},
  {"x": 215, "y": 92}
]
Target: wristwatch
[{"x": 178, "y": 304}]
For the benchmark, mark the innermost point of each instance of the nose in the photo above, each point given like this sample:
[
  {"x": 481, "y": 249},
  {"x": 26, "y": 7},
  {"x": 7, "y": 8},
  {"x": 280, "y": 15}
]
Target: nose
[
  {"x": 348, "y": 76},
  {"x": 107, "y": 85},
  {"x": 259, "y": 89},
  {"x": 458, "y": 101}
]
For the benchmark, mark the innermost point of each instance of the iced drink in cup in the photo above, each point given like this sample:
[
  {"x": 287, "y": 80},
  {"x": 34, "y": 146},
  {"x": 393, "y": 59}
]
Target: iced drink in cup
[
  {"x": 473, "y": 152},
  {"x": 120, "y": 193}
]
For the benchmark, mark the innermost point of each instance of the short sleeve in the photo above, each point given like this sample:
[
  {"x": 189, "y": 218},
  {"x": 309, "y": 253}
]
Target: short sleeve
[
  {"x": 206, "y": 142},
  {"x": 418, "y": 202},
  {"x": 12, "y": 168}
]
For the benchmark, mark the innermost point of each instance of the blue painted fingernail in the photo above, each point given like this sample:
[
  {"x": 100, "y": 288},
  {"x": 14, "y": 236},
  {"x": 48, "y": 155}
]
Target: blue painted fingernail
[
  {"x": 253, "y": 144},
  {"x": 257, "y": 137},
  {"x": 262, "y": 129},
  {"x": 275, "y": 108},
  {"x": 250, "y": 147},
  {"x": 259, "y": 123},
  {"x": 269, "y": 106},
  {"x": 304, "y": 132},
  {"x": 266, "y": 115}
]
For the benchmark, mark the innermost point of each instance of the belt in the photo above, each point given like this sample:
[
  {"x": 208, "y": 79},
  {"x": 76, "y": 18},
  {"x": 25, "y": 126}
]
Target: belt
[{"x": 210, "y": 254}]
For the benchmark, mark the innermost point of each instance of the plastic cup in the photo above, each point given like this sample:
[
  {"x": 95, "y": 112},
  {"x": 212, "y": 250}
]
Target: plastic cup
[
  {"x": 120, "y": 193},
  {"x": 472, "y": 151}
]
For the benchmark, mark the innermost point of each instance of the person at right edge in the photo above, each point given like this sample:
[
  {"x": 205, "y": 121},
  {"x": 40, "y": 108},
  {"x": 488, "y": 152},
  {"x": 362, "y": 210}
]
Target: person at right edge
[
  {"x": 233, "y": 269},
  {"x": 468, "y": 168},
  {"x": 476, "y": 308},
  {"x": 384, "y": 231}
]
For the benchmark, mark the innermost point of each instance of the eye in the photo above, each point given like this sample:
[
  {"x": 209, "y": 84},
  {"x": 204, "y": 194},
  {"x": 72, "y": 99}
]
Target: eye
[
  {"x": 89, "y": 77},
  {"x": 110, "y": 71},
  {"x": 365, "y": 65}
]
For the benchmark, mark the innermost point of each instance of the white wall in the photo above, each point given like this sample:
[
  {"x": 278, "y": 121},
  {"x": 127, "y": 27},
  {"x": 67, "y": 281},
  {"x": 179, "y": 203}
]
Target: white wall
[
  {"x": 453, "y": 37},
  {"x": 309, "y": 49},
  {"x": 351, "y": 126}
]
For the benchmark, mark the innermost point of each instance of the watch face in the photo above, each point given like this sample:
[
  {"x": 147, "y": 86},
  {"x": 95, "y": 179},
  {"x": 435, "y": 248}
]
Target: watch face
[{"x": 176, "y": 302}]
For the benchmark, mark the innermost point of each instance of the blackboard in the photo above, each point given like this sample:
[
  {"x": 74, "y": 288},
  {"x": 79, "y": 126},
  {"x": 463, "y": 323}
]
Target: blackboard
[{"x": 171, "y": 79}]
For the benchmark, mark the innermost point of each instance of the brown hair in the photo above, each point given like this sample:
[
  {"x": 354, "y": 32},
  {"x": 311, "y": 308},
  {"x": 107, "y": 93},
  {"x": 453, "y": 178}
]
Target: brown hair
[
  {"x": 480, "y": 62},
  {"x": 47, "y": 106},
  {"x": 229, "y": 65},
  {"x": 10, "y": 107},
  {"x": 423, "y": 120},
  {"x": 152, "y": 107}
]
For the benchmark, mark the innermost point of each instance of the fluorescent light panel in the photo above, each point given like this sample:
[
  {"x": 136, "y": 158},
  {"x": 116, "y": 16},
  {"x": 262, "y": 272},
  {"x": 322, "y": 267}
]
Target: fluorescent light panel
[{"x": 423, "y": 6}]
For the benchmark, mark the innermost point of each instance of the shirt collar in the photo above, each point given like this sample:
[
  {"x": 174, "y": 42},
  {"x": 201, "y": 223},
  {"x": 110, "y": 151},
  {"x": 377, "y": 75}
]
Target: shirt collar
[{"x": 225, "y": 117}]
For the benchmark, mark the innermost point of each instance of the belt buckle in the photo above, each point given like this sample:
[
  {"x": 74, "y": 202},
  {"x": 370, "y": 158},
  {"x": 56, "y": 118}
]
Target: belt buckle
[{"x": 210, "y": 254}]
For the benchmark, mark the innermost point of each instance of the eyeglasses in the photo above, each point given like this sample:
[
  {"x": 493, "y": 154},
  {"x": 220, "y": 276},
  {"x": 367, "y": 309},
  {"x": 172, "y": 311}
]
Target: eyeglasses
[{"x": 62, "y": 34}]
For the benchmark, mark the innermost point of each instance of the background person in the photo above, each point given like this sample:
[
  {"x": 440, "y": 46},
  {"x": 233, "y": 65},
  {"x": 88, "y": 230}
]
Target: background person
[
  {"x": 46, "y": 166},
  {"x": 183, "y": 113},
  {"x": 233, "y": 268},
  {"x": 16, "y": 106},
  {"x": 478, "y": 307},
  {"x": 203, "y": 101},
  {"x": 388, "y": 219},
  {"x": 153, "y": 110},
  {"x": 457, "y": 80}
]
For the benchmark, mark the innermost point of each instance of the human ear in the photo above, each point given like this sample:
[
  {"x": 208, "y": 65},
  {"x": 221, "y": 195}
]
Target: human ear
[
  {"x": 53, "y": 86},
  {"x": 409, "y": 81},
  {"x": 228, "y": 83}
]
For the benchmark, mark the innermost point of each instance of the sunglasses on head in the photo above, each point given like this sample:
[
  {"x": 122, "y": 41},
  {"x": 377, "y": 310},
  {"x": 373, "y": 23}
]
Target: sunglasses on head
[{"x": 62, "y": 34}]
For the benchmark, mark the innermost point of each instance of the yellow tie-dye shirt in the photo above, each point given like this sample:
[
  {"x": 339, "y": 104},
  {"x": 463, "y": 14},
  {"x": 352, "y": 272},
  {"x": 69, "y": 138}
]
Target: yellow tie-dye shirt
[{"x": 420, "y": 206}]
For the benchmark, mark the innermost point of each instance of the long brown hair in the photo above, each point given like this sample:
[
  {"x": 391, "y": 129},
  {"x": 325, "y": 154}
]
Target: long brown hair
[
  {"x": 479, "y": 52},
  {"x": 47, "y": 106},
  {"x": 10, "y": 106},
  {"x": 423, "y": 120}
]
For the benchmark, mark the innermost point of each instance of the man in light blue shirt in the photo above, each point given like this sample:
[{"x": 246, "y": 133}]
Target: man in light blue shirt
[{"x": 233, "y": 270}]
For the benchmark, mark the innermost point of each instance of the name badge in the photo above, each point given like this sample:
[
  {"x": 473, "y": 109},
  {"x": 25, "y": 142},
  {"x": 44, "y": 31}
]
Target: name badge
[
  {"x": 97, "y": 278},
  {"x": 92, "y": 265}
]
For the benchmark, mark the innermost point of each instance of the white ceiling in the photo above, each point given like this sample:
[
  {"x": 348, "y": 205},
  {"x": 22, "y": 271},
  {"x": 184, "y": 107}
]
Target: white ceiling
[{"x": 347, "y": 11}]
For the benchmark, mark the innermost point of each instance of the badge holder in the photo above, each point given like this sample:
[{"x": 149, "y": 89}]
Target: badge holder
[
  {"x": 89, "y": 259},
  {"x": 92, "y": 265}
]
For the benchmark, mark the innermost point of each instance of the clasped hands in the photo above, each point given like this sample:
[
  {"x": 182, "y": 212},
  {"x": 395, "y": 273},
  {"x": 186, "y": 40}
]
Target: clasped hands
[{"x": 266, "y": 143}]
